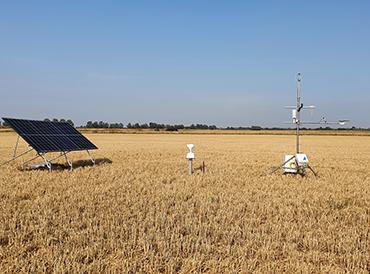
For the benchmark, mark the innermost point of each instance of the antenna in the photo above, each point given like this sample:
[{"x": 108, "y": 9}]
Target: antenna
[{"x": 299, "y": 162}]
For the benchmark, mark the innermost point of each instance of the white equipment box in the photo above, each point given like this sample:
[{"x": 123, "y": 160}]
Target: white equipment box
[
  {"x": 302, "y": 160},
  {"x": 290, "y": 166},
  {"x": 299, "y": 161}
]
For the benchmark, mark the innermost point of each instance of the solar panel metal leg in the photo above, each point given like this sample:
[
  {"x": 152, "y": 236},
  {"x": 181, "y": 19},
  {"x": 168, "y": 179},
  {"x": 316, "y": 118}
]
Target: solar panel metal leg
[
  {"x": 62, "y": 154},
  {"x": 30, "y": 160},
  {"x": 91, "y": 158},
  {"x": 16, "y": 147},
  {"x": 68, "y": 161},
  {"x": 16, "y": 157},
  {"x": 47, "y": 163},
  {"x": 57, "y": 157}
]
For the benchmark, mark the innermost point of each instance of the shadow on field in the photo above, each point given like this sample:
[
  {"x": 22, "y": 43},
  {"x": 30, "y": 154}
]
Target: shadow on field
[
  {"x": 85, "y": 163},
  {"x": 76, "y": 164}
]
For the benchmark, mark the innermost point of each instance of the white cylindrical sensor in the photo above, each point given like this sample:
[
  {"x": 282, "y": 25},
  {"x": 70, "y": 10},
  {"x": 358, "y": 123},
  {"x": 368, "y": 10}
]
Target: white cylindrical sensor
[
  {"x": 294, "y": 114},
  {"x": 190, "y": 155}
]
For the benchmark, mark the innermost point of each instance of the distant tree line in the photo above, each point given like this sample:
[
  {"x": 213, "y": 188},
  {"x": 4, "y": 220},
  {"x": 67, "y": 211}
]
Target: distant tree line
[
  {"x": 155, "y": 126},
  {"x": 175, "y": 127},
  {"x": 168, "y": 127},
  {"x": 101, "y": 124},
  {"x": 69, "y": 121},
  {"x": 151, "y": 125},
  {"x": 245, "y": 128}
]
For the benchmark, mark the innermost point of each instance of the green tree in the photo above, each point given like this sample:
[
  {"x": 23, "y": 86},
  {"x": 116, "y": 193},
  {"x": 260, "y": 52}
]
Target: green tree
[{"x": 69, "y": 121}]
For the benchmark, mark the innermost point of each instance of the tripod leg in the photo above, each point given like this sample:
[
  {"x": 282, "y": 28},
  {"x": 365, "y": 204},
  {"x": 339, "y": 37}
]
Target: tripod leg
[
  {"x": 276, "y": 169},
  {"x": 314, "y": 172}
]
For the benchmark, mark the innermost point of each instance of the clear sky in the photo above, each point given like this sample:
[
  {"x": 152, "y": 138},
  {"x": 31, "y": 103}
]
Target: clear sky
[{"x": 215, "y": 62}]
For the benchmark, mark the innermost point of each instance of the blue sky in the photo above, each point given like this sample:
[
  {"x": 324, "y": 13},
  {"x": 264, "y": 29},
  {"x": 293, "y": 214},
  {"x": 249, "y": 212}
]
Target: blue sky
[{"x": 215, "y": 62}]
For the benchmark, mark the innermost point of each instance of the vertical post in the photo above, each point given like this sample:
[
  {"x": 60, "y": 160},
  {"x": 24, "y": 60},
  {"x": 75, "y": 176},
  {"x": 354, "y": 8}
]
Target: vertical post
[
  {"x": 68, "y": 161},
  {"x": 190, "y": 167},
  {"x": 299, "y": 107},
  {"x": 16, "y": 147}
]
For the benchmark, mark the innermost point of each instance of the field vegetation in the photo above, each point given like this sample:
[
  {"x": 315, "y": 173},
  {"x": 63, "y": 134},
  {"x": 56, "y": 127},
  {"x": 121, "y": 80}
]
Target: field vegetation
[{"x": 137, "y": 210}]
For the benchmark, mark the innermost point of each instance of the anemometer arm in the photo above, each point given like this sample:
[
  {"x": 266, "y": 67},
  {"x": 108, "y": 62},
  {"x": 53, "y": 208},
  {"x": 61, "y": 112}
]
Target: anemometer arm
[{"x": 340, "y": 122}]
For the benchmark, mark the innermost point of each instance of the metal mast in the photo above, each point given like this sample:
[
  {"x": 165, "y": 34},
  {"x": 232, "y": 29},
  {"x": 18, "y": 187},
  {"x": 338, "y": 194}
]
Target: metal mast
[
  {"x": 298, "y": 108},
  {"x": 299, "y": 162}
]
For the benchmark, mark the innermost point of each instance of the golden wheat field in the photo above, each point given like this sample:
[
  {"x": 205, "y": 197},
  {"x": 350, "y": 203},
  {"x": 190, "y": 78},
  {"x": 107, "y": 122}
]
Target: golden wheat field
[{"x": 137, "y": 210}]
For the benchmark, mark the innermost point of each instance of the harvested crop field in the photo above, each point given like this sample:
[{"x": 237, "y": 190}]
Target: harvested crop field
[{"x": 138, "y": 211}]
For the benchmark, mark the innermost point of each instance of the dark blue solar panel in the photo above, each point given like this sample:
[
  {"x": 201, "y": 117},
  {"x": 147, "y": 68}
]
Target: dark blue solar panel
[{"x": 46, "y": 136}]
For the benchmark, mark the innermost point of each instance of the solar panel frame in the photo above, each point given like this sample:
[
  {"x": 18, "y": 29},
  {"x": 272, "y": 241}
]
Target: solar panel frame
[{"x": 47, "y": 136}]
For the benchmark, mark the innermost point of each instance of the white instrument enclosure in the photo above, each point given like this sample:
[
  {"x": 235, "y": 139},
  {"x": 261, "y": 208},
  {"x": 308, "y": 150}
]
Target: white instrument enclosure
[{"x": 291, "y": 165}]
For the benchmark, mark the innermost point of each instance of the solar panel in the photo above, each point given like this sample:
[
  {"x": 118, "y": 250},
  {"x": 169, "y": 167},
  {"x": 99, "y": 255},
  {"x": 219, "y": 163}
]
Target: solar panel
[{"x": 45, "y": 136}]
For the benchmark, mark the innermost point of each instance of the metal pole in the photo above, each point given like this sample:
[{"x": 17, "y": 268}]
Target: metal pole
[
  {"x": 16, "y": 157},
  {"x": 57, "y": 157},
  {"x": 16, "y": 147},
  {"x": 48, "y": 164},
  {"x": 68, "y": 161},
  {"x": 30, "y": 160},
  {"x": 91, "y": 158},
  {"x": 190, "y": 167},
  {"x": 298, "y": 121}
]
